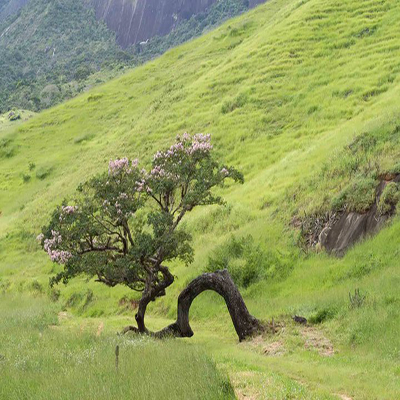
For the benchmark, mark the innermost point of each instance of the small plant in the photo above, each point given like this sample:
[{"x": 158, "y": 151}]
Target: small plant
[
  {"x": 36, "y": 287},
  {"x": 43, "y": 172},
  {"x": 356, "y": 300},
  {"x": 54, "y": 294},
  {"x": 32, "y": 166},
  {"x": 322, "y": 315},
  {"x": 389, "y": 198},
  {"x": 358, "y": 196},
  {"x": 26, "y": 178}
]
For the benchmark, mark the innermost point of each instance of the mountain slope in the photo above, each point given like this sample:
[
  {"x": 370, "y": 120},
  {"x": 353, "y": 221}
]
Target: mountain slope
[
  {"x": 285, "y": 90},
  {"x": 140, "y": 20},
  {"x": 51, "y": 51}
]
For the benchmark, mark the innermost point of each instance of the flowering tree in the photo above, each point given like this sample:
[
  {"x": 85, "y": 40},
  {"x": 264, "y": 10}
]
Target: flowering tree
[{"x": 122, "y": 227}]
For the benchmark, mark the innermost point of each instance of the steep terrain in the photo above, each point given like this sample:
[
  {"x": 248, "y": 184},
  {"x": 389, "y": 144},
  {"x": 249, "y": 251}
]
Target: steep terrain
[
  {"x": 10, "y": 7},
  {"x": 48, "y": 50},
  {"x": 51, "y": 51},
  {"x": 302, "y": 97},
  {"x": 136, "y": 21}
]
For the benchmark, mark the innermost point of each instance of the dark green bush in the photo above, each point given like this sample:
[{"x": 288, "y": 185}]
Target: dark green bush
[
  {"x": 389, "y": 198},
  {"x": 322, "y": 315},
  {"x": 358, "y": 196},
  {"x": 246, "y": 261}
]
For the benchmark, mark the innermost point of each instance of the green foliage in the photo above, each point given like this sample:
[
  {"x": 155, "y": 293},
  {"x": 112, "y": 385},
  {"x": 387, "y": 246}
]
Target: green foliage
[
  {"x": 231, "y": 104},
  {"x": 77, "y": 364},
  {"x": 293, "y": 162},
  {"x": 98, "y": 234},
  {"x": 246, "y": 261},
  {"x": 357, "y": 299},
  {"x": 26, "y": 178},
  {"x": 389, "y": 198},
  {"x": 358, "y": 196},
  {"x": 323, "y": 315},
  {"x": 43, "y": 172},
  {"x": 7, "y": 150},
  {"x": 48, "y": 50},
  {"x": 64, "y": 47}
]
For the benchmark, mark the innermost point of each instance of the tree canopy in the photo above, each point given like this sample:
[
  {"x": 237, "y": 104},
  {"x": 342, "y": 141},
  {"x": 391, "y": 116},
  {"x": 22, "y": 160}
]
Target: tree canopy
[{"x": 122, "y": 226}]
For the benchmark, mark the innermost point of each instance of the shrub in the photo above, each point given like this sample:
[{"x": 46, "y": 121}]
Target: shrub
[
  {"x": 356, "y": 300},
  {"x": 358, "y": 196},
  {"x": 43, "y": 172},
  {"x": 322, "y": 315},
  {"x": 245, "y": 260},
  {"x": 26, "y": 178},
  {"x": 389, "y": 198}
]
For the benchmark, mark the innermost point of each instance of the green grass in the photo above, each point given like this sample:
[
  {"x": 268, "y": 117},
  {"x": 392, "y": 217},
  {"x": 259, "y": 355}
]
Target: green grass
[
  {"x": 302, "y": 96},
  {"x": 79, "y": 364}
]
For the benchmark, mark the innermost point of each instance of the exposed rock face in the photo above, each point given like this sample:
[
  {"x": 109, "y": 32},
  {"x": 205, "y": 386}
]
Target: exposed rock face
[
  {"x": 135, "y": 21},
  {"x": 341, "y": 233},
  {"x": 8, "y": 7}
]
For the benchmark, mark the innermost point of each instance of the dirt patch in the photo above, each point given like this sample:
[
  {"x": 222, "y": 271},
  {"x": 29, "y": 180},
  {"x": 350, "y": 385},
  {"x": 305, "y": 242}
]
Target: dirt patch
[
  {"x": 244, "y": 390},
  {"x": 62, "y": 316},
  {"x": 274, "y": 349},
  {"x": 100, "y": 329},
  {"x": 345, "y": 397},
  {"x": 316, "y": 340}
]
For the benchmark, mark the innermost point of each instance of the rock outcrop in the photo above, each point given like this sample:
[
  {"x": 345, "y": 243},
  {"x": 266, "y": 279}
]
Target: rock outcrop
[
  {"x": 136, "y": 21},
  {"x": 347, "y": 228},
  {"x": 10, "y": 7}
]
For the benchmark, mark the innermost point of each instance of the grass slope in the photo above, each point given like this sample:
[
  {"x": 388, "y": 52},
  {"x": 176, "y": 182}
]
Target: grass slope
[{"x": 284, "y": 90}]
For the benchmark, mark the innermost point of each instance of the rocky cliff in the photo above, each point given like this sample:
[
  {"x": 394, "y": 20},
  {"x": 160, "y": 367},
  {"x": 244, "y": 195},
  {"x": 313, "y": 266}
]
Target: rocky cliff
[
  {"x": 8, "y": 7},
  {"x": 135, "y": 21}
]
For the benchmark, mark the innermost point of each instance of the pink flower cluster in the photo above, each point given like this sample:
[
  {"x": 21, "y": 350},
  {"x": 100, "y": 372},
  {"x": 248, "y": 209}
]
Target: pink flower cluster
[
  {"x": 186, "y": 144},
  {"x": 200, "y": 143},
  {"x": 141, "y": 186},
  {"x": 122, "y": 164},
  {"x": 157, "y": 171},
  {"x": 59, "y": 256},
  {"x": 224, "y": 172},
  {"x": 67, "y": 210}
]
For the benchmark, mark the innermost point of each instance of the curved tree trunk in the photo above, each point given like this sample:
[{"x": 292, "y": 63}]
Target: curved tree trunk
[{"x": 221, "y": 282}]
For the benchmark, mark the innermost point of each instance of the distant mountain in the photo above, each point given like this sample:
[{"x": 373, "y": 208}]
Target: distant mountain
[
  {"x": 50, "y": 50},
  {"x": 134, "y": 21},
  {"x": 10, "y": 7}
]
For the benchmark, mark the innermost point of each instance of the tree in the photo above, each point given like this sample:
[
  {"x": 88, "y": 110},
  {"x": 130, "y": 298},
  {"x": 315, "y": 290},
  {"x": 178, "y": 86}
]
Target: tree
[{"x": 122, "y": 227}]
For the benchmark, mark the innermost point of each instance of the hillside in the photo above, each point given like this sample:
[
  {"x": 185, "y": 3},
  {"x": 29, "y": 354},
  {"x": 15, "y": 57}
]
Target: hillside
[
  {"x": 301, "y": 96},
  {"x": 51, "y": 51}
]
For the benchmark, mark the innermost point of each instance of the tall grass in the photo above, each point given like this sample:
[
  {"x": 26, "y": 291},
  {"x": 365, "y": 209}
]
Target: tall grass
[{"x": 38, "y": 360}]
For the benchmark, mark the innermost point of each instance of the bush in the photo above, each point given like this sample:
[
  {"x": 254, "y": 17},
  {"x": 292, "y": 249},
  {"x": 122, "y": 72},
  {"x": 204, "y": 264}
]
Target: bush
[
  {"x": 43, "y": 172},
  {"x": 246, "y": 261},
  {"x": 26, "y": 178},
  {"x": 389, "y": 198},
  {"x": 358, "y": 196},
  {"x": 322, "y": 315}
]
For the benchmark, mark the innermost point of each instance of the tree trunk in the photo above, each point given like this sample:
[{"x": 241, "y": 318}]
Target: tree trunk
[
  {"x": 139, "y": 316},
  {"x": 221, "y": 282}
]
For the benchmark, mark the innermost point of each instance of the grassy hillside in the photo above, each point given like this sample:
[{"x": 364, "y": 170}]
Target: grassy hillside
[
  {"x": 50, "y": 52},
  {"x": 285, "y": 90}
]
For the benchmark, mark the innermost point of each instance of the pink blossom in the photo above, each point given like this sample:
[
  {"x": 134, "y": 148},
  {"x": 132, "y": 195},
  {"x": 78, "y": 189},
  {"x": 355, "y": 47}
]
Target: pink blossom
[
  {"x": 67, "y": 210},
  {"x": 114, "y": 167},
  {"x": 224, "y": 172},
  {"x": 40, "y": 237}
]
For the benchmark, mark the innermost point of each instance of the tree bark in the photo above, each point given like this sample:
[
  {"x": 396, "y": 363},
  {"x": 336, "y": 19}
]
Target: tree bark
[{"x": 221, "y": 282}]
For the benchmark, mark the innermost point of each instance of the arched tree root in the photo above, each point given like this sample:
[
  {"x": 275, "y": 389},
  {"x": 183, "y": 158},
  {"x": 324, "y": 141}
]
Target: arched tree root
[{"x": 221, "y": 282}]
